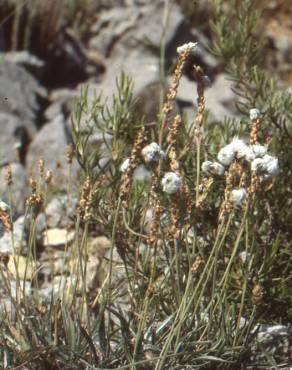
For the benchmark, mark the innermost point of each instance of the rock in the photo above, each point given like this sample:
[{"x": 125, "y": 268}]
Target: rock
[
  {"x": 22, "y": 268},
  {"x": 111, "y": 25},
  {"x": 18, "y": 242},
  {"x": 220, "y": 99},
  {"x": 53, "y": 262},
  {"x": 68, "y": 63},
  {"x": 141, "y": 68},
  {"x": 62, "y": 102},
  {"x": 276, "y": 340},
  {"x": 206, "y": 59},
  {"x": 50, "y": 144},
  {"x": 130, "y": 38},
  {"x": 9, "y": 125},
  {"x": 125, "y": 28},
  {"x": 59, "y": 286},
  {"x": 57, "y": 237},
  {"x": 20, "y": 95},
  {"x": 60, "y": 212},
  {"x": 98, "y": 246},
  {"x": 30, "y": 62},
  {"x": 18, "y": 189}
]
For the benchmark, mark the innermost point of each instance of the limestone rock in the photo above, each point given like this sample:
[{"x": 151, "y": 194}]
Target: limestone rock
[
  {"x": 58, "y": 237},
  {"x": 18, "y": 241},
  {"x": 20, "y": 94},
  {"x": 9, "y": 126},
  {"x": 21, "y": 267},
  {"x": 50, "y": 144},
  {"x": 18, "y": 186}
]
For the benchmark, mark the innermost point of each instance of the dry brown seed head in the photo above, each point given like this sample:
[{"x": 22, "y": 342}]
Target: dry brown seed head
[
  {"x": 197, "y": 265},
  {"x": 69, "y": 153},
  {"x": 5, "y": 219},
  {"x": 257, "y": 294},
  {"x": 41, "y": 167},
  {"x": 32, "y": 183},
  {"x": 8, "y": 175},
  {"x": 49, "y": 176}
]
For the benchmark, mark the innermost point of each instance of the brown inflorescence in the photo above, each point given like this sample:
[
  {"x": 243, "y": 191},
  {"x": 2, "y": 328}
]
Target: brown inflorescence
[
  {"x": 35, "y": 200},
  {"x": 134, "y": 161},
  {"x": 171, "y": 141},
  {"x": 198, "y": 122},
  {"x": 41, "y": 167},
  {"x": 49, "y": 176},
  {"x": 197, "y": 265},
  {"x": 204, "y": 189},
  {"x": 257, "y": 294},
  {"x": 255, "y": 125},
  {"x": 69, "y": 154},
  {"x": 5, "y": 219},
  {"x": 85, "y": 201},
  {"x": 172, "y": 92},
  {"x": 8, "y": 175},
  {"x": 226, "y": 206}
]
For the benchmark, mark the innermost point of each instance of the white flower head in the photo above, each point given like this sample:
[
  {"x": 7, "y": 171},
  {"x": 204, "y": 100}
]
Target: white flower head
[
  {"x": 237, "y": 196},
  {"x": 3, "y": 206},
  {"x": 254, "y": 114},
  {"x": 244, "y": 256},
  {"x": 152, "y": 153},
  {"x": 255, "y": 151},
  {"x": 190, "y": 47},
  {"x": 239, "y": 147},
  {"x": 267, "y": 165},
  {"x": 271, "y": 164},
  {"x": 125, "y": 165},
  {"x": 171, "y": 182},
  {"x": 226, "y": 155},
  {"x": 213, "y": 168}
]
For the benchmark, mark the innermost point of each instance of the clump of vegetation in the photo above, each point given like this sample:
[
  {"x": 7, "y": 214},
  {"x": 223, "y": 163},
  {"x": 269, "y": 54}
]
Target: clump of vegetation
[
  {"x": 34, "y": 25},
  {"x": 199, "y": 262}
]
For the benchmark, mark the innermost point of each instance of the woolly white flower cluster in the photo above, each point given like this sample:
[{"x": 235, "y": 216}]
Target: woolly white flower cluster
[
  {"x": 3, "y": 206},
  {"x": 125, "y": 165},
  {"x": 267, "y": 166},
  {"x": 152, "y": 153},
  {"x": 254, "y": 114},
  {"x": 237, "y": 196},
  {"x": 213, "y": 168},
  {"x": 189, "y": 47},
  {"x": 261, "y": 162},
  {"x": 171, "y": 182}
]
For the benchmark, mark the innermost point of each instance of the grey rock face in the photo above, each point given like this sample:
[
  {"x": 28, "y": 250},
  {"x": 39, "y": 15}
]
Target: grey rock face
[
  {"x": 23, "y": 58},
  {"x": 60, "y": 211},
  {"x": 129, "y": 36},
  {"x": 9, "y": 125},
  {"x": 19, "y": 93},
  {"x": 18, "y": 186},
  {"x": 122, "y": 28},
  {"x": 62, "y": 102},
  {"x": 17, "y": 241},
  {"x": 50, "y": 144},
  {"x": 276, "y": 340},
  {"x": 220, "y": 99}
]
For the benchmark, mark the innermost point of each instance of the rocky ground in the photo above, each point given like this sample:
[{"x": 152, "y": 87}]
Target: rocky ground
[{"x": 35, "y": 115}]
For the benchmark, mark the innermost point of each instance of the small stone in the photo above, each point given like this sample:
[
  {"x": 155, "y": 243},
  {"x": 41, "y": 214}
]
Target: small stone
[
  {"x": 21, "y": 267},
  {"x": 58, "y": 237},
  {"x": 18, "y": 242}
]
